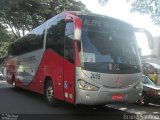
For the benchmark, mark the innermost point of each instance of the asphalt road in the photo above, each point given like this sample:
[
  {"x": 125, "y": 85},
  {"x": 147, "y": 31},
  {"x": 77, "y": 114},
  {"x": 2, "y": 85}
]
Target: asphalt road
[
  {"x": 21, "y": 104},
  {"x": 24, "y": 105}
]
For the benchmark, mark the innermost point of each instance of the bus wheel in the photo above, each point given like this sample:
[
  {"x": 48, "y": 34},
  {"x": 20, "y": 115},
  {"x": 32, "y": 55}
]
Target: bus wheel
[
  {"x": 143, "y": 100},
  {"x": 49, "y": 93}
]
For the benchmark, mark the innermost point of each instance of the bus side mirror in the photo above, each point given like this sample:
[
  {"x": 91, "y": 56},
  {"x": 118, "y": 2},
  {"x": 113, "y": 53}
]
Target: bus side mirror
[
  {"x": 148, "y": 35},
  {"x": 77, "y": 26}
]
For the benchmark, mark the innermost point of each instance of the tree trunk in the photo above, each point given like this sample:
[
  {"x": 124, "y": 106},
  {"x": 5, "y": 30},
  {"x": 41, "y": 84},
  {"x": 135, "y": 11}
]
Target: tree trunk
[{"x": 53, "y": 6}]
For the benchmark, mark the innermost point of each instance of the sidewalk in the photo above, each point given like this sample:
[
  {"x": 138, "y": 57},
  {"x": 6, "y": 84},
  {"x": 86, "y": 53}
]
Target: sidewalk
[{"x": 4, "y": 84}]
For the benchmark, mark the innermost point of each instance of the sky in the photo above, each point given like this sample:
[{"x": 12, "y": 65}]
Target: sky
[{"x": 121, "y": 10}]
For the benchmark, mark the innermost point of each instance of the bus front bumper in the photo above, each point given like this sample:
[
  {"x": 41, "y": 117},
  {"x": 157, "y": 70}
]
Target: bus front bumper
[{"x": 104, "y": 97}]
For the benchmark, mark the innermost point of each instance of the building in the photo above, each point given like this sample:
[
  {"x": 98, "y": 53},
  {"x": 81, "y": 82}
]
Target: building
[{"x": 156, "y": 50}]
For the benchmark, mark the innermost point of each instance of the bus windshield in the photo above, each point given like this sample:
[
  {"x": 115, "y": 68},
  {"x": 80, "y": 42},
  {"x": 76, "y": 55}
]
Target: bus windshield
[{"x": 108, "y": 46}]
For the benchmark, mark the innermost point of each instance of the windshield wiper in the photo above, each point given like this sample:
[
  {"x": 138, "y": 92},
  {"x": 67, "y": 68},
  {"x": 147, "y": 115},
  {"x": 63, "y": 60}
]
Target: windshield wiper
[{"x": 129, "y": 67}]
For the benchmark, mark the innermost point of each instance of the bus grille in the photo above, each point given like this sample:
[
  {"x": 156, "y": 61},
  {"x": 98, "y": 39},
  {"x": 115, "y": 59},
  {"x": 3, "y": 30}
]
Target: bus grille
[{"x": 115, "y": 87}]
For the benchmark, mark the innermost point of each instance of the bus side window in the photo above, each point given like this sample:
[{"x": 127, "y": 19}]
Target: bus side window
[
  {"x": 69, "y": 49},
  {"x": 31, "y": 42},
  {"x": 55, "y": 36}
]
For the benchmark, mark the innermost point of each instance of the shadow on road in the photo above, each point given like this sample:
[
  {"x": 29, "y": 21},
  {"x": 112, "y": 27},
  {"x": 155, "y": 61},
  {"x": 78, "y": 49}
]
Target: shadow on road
[
  {"x": 63, "y": 105},
  {"x": 30, "y": 104}
]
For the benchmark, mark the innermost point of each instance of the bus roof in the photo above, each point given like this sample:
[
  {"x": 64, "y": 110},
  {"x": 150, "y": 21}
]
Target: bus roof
[{"x": 77, "y": 13}]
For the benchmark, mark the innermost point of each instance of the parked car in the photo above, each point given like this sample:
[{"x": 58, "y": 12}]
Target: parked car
[
  {"x": 152, "y": 66},
  {"x": 151, "y": 92},
  {"x": 1, "y": 76}
]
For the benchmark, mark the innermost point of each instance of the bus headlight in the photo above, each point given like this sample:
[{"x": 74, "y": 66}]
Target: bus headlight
[
  {"x": 139, "y": 86},
  {"x": 87, "y": 86}
]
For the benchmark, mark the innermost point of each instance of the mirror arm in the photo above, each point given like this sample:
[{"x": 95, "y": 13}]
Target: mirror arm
[{"x": 148, "y": 34}]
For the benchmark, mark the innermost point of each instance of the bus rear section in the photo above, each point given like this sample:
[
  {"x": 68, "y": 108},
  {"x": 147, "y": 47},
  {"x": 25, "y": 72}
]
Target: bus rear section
[{"x": 81, "y": 59}]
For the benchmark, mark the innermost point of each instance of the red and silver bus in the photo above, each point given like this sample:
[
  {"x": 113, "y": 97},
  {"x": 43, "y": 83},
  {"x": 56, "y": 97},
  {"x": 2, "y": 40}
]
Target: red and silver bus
[{"x": 80, "y": 58}]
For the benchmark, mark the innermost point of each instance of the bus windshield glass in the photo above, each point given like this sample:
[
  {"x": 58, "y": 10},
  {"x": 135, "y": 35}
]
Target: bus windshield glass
[{"x": 108, "y": 46}]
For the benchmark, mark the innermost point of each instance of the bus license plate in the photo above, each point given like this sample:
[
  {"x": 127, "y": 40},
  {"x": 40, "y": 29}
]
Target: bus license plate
[{"x": 117, "y": 97}]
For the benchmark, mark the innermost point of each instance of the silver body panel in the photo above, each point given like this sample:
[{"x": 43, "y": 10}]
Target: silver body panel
[
  {"x": 108, "y": 87},
  {"x": 27, "y": 65}
]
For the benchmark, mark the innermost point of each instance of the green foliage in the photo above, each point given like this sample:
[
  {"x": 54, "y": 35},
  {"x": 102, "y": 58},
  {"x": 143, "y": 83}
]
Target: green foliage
[
  {"x": 5, "y": 39},
  {"x": 21, "y": 15},
  {"x": 70, "y": 5},
  {"x": 58, "y": 6},
  {"x": 151, "y": 7},
  {"x": 24, "y": 15},
  {"x": 103, "y": 2},
  {"x": 4, "y": 36}
]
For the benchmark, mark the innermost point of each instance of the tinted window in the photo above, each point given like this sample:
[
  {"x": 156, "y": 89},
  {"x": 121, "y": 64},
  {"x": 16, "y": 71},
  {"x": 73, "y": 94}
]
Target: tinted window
[
  {"x": 69, "y": 50},
  {"x": 146, "y": 80},
  {"x": 55, "y": 36},
  {"x": 32, "y": 41}
]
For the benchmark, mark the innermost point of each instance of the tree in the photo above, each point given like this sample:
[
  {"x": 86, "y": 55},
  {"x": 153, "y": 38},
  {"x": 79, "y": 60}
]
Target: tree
[
  {"x": 150, "y": 7},
  {"x": 24, "y": 15},
  {"x": 103, "y": 2},
  {"x": 5, "y": 39},
  {"x": 70, "y": 5},
  {"x": 21, "y": 15}
]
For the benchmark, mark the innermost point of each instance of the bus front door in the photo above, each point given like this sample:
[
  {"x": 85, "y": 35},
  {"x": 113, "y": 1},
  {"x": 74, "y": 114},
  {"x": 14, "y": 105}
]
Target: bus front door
[{"x": 69, "y": 64}]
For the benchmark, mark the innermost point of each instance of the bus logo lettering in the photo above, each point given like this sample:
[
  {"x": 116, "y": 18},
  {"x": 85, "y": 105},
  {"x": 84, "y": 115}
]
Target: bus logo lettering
[{"x": 118, "y": 81}]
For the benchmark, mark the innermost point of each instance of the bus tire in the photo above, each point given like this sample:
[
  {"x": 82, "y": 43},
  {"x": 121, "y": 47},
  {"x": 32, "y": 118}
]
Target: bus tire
[
  {"x": 49, "y": 93},
  {"x": 143, "y": 100}
]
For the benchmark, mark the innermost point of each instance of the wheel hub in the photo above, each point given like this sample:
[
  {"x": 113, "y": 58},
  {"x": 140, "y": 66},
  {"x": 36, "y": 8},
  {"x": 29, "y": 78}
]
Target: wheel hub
[{"x": 50, "y": 93}]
